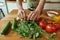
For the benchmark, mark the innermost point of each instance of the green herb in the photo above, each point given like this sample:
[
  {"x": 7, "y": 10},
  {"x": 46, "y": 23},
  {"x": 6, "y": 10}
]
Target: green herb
[
  {"x": 53, "y": 35},
  {"x": 28, "y": 29}
]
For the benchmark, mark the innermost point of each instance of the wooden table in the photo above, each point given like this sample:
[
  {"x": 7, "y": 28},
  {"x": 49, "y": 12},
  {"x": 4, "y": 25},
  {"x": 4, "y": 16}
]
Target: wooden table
[{"x": 13, "y": 35}]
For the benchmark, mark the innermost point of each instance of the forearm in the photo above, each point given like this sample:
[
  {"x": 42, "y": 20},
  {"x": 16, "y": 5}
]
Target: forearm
[
  {"x": 19, "y": 3},
  {"x": 40, "y": 5}
]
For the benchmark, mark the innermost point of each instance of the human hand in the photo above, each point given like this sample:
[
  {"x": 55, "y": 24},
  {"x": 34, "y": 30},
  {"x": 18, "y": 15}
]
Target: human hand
[
  {"x": 34, "y": 15},
  {"x": 21, "y": 15}
]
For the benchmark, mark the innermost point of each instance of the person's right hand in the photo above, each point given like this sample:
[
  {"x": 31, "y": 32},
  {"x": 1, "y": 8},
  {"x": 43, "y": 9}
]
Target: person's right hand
[{"x": 21, "y": 15}]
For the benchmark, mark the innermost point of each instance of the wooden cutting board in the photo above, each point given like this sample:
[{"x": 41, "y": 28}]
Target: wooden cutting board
[{"x": 15, "y": 36}]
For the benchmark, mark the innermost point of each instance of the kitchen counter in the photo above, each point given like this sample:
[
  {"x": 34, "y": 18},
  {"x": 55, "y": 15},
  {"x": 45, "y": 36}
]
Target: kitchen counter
[{"x": 13, "y": 35}]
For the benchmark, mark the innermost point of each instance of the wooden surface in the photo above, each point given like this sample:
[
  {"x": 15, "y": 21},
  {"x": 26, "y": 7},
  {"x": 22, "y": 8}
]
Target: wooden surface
[{"x": 13, "y": 35}]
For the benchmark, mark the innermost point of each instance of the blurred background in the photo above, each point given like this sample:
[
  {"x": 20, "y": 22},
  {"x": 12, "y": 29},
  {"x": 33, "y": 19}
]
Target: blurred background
[{"x": 7, "y": 6}]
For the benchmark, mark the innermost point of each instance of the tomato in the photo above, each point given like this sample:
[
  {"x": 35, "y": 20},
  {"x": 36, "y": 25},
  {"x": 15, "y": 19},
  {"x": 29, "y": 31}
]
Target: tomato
[
  {"x": 50, "y": 28},
  {"x": 42, "y": 24},
  {"x": 40, "y": 19},
  {"x": 49, "y": 21},
  {"x": 57, "y": 26}
]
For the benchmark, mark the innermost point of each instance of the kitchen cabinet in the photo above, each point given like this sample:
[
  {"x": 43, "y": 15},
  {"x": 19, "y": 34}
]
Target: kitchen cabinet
[{"x": 3, "y": 7}]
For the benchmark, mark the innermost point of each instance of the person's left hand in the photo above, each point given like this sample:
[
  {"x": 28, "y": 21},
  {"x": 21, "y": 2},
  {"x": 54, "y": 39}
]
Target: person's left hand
[{"x": 34, "y": 15}]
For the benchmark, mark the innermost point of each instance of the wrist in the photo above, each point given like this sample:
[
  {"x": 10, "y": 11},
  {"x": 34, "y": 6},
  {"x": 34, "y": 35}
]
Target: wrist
[
  {"x": 38, "y": 11},
  {"x": 20, "y": 9}
]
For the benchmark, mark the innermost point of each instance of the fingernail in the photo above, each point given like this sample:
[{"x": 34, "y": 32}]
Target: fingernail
[{"x": 18, "y": 18}]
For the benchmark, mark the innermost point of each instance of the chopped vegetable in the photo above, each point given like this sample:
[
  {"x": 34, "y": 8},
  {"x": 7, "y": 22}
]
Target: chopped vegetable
[
  {"x": 53, "y": 35},
  {"x": 14, "y": 25},
  {"x": 28, "y": 29},
  {"x": 5, "y": 30}
]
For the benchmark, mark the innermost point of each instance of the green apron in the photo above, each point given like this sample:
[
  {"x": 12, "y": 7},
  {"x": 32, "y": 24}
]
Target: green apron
[{"x": 33, "y": 3}]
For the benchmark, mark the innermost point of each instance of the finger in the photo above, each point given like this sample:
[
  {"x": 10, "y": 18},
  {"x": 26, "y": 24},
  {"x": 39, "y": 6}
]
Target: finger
[
  {"x": 24, "y": 16},
  {"x": 18, "y": 19},
  {"x": 19, "y": 15},
  {"x": 32, "y": 16},
  {"x": 29, "y": 16},
  {"x": 38, "y": 17},
  {"x": 35, "y": 17}
]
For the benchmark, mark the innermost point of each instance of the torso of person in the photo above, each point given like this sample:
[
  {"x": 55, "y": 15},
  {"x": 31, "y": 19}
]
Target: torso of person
[{"x": 33, "y": 4}]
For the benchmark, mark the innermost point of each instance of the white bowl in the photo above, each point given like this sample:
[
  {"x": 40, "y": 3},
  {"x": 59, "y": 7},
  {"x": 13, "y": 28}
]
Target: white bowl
[{"x": 52, "y": 13}]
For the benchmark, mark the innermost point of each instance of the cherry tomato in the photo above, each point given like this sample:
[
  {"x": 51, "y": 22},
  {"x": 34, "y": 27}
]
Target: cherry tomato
[
  {"x": 49, "y": 20},
  {"x": 40, "y": 19},
  {"x": 42, "y": 24},
  {"x": 57, "y": 26},
  {"x": 50, "y": 28}
]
